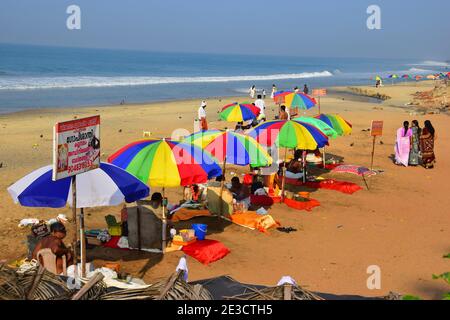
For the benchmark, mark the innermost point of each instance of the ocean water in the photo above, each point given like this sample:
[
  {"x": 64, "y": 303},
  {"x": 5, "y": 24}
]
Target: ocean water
[{"x": 39, "y": 77}]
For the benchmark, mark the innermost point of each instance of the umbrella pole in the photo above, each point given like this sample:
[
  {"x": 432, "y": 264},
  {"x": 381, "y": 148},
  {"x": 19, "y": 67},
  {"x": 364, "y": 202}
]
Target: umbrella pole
[
  {"x": 74, "y": 222},
  {"x": 164, "y": 222},
  {"x": 319, "y": 104},
  {"x": 304, "y": 165},
  {"x": 222, "y": 186},
  {"x": 323, "y": 157},
  {"x": 283, "y": 182},
  {"x": 82, "y": 244}
]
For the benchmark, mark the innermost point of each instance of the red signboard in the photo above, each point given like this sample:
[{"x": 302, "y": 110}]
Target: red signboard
[
  {"x": 377, "y": 128},
  {"x": 319, "y": 92},
  {"x": 76, "y": 147}
]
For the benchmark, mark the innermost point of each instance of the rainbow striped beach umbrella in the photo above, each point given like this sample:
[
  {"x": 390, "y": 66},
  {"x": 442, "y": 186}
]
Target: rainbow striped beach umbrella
[
  {"x": 231, "y": 147},
  {"x": 289, "y": 134},
  {"x": 341, "y": 126},
  {"x": 166, "y": 163},
  {"x": 295, "y": 100},
  {"x": 319, "y": 124},
  {"x": 236, "y": 112}
]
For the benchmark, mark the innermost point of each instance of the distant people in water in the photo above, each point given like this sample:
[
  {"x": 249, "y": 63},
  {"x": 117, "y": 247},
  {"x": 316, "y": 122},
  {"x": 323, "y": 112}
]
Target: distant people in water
[
  {"x": 305, "y": 89},
  {"x": 403, "y": 145},
  {"x": 427, "y": 138},
  {"x": 296, "y": 90},
  {"x": 414, "y": 154}
]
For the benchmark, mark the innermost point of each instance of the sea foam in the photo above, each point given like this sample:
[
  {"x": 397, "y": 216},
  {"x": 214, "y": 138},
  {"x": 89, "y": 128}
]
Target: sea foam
[{"x": 65, "y": 82}]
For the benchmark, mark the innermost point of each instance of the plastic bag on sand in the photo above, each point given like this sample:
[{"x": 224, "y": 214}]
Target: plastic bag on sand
[
  {"x": 261, "y": 211},
  {"x": 107, "y": 273},
  {"x": 286, "y": 280},
  {"x": 123, "y": 243},
  {"x": 71, "y": 269},
  {"x": 182, "y": 265}
]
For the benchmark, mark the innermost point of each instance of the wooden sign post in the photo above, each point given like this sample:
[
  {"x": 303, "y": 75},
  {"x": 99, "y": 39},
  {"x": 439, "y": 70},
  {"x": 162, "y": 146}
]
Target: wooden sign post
[
  {"x": 76, "y": 149},
  {"x": 319, "y": 93},
  {"x": 376, "y": 130}
]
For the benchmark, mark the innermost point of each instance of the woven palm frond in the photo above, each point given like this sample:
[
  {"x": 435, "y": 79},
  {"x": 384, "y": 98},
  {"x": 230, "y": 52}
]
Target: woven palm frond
[
  {"x": 10, "y": 288},
  {"x": 283, "y": 292},
  {"x": 172, "y": 288},
  {"x": 19, "y": 286}
]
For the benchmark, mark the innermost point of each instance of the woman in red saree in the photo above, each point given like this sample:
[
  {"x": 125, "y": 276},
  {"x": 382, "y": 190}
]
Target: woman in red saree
[{"x": 427, "y": 139}]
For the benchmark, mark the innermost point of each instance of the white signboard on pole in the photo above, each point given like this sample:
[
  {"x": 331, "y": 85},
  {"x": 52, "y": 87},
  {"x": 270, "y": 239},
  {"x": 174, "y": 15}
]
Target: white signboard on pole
[{"x": 76, "y": 147}]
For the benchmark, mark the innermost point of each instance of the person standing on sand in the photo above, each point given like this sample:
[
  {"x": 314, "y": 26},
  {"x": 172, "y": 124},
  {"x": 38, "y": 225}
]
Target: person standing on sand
[
  {"x": 427, "y": 139},
  {"x": 274, "y": 90},
  {"x": 261, "y": 105},
  {"x": 414, "y": 154},
  {"x": 202, "y": 116},
  {"x": 403, "y": 145},
  {"x": 264, "y": 93},
  {"x": 305, "y": 89},
  {"x": 252, "y": 92}
]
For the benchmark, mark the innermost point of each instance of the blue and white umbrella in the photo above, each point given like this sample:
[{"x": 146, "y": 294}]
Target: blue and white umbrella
[{"x": 108, "y": 185}]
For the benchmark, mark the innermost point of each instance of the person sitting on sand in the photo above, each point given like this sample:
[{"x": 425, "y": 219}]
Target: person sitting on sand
[
  {"x": 283, "y": 115},
  {"x": 239, "y": 127},
  {"x": 54, "y": 241},
  {"x": 294, "y": 169},
  {"x": 241, "y": 194}
]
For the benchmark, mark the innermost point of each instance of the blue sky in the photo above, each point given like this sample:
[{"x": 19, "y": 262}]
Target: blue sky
[{"x": 326, "y": 28}]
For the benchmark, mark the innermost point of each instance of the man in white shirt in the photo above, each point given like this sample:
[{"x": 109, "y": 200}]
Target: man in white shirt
[
  {"x": 261, "y": 105},
  {"x": 202, "y": 116}
]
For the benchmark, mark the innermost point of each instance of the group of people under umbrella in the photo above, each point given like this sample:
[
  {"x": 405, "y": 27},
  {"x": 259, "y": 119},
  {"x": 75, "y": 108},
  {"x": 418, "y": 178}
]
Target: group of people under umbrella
[{"x": 166, "y": 163}]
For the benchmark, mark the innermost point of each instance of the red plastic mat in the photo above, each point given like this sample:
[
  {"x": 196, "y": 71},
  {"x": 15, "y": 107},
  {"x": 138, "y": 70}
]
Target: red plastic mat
[{"x": 206, "y": 251}]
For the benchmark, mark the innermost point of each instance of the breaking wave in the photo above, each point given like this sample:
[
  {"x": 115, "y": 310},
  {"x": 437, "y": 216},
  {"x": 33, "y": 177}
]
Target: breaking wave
[
  {"x": 430, "y": 63},
  {"x": 65, "y": 82}
]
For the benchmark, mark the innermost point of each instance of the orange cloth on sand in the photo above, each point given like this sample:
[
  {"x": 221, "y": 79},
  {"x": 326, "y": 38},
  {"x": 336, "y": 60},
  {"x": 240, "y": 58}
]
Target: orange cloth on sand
[
  {"x": 186, "y": 214},
  {"x": 299, "y": 205},
  {"x": 253, "y": 220}
]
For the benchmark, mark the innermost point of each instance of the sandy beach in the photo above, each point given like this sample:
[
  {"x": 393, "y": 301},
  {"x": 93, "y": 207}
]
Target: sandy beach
[{"x": 401, "y": 224}]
